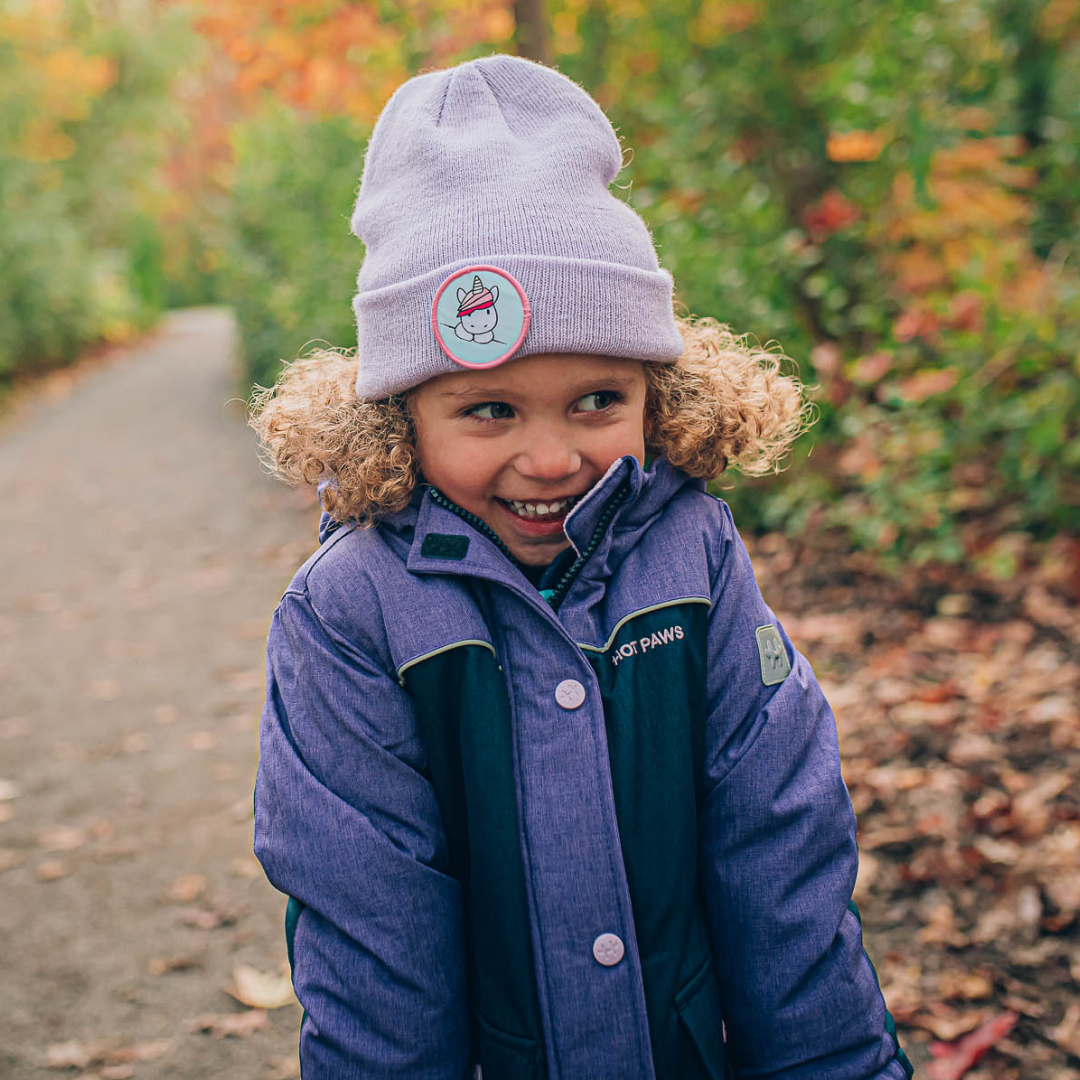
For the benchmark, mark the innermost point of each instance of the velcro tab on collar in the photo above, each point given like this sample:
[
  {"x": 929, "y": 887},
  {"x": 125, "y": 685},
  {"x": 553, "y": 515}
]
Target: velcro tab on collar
[{"x": 444, "y": 546}]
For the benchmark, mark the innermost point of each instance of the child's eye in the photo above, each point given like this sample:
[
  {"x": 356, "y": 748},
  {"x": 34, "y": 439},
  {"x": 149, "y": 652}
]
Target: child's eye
[
  {"x": 602, "y": 399},
  {"x": 498, "y": 410}
]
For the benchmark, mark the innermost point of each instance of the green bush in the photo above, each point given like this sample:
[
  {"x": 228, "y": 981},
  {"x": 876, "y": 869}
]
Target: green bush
[
  {"x": 290, "y": 262},
  {"x": 83, "y": 130}
]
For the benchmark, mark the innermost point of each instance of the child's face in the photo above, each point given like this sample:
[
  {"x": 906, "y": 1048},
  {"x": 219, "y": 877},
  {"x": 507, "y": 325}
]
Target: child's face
[{"x": 538, "y": 429}]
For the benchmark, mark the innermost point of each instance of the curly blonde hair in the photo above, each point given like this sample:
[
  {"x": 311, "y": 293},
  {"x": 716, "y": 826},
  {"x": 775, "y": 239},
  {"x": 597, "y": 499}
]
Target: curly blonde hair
[{"x": 723, "y": 404}]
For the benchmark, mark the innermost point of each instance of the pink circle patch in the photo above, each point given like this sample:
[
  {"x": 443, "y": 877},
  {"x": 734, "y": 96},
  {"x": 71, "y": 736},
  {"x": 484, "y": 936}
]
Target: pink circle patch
[{"x": 480, "y": 316}]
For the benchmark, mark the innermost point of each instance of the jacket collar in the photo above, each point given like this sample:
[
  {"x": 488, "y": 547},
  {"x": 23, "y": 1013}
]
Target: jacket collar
[
  {"x": 442, "y": 542},
  {"x": 468, "y": 551}
]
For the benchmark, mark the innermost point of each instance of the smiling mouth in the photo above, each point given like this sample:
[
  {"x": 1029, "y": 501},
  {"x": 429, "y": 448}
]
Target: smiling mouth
[{"x": 538, "y": 510}]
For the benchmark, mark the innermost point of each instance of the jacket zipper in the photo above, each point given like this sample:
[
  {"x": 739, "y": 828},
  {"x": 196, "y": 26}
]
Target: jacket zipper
[{"x": 562, "y": 587}]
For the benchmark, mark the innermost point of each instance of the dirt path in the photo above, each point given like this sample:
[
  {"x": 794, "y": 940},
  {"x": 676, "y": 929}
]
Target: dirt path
[{"x": 143, "y": 553}]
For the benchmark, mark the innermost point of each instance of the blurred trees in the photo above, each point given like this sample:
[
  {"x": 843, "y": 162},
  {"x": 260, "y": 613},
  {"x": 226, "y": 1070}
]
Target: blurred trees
[
  {"x": 83, "y": 130},
  {"x": 307, "y": 79},
  {"x": 889, "y": 191}
]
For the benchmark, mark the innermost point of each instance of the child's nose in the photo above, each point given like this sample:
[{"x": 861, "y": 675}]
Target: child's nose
[{"x": 548, "y": 457}]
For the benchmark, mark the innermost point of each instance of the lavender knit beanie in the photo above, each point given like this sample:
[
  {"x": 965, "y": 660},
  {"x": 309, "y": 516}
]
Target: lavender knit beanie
[{"x": 490, "y": 233}]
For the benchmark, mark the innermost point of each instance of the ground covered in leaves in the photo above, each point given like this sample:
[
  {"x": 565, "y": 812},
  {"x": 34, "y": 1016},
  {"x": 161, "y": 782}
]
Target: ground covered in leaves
[{"x": 958, "y": 707}]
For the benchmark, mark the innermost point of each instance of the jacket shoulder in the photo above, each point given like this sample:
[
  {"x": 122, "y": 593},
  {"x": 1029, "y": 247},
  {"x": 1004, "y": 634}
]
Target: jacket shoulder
[
  {"x": 702, "y": 523},
  {"x": 358, "y": 582}
]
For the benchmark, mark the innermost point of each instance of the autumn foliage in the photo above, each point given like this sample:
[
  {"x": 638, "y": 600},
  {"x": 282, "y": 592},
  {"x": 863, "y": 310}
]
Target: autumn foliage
[{"x": 891, "y": 194}]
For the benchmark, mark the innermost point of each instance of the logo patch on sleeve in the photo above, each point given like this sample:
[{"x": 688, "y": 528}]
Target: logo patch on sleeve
[{"x": 775, "y": 666}]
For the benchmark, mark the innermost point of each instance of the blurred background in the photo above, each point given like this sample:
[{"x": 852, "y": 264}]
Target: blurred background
[{"x": 888, "y": 192}]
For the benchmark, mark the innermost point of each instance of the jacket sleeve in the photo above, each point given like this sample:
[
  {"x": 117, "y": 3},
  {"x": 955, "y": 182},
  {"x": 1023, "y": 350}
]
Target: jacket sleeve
[
  {"x": 348, "y": 827},
  {"x": 801, "y": 998}
]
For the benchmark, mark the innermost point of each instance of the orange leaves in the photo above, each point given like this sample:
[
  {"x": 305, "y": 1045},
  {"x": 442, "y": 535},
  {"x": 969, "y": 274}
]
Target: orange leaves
[
  {"x": 71, "y": 76},
  {"x": 871, "y": 369},
  {"x": 343, "y": 58},
  {"x": 59, "y": 80},
  {"x": 1058, "y": 20},
  {"x": 41, "y": 140},
  {"x": 965, "y": 311},
  {"x": 916, "y": 322},
  {"x": 855, "y": 145},
  {"x": 39, "y": 24},
  {"x": 977, "y": 222},
  {"x": 926, "y": 384},
  {"x": 305, "y": 56},
  {"x": 719, "y": 18}
]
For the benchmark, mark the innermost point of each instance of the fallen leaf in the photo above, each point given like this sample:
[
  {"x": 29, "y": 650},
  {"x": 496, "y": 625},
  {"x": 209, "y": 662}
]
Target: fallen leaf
[
  {"x": 103, "y": 1052},
  {"x": 61, "y": 838},
  {"x": 116, "y": 1072},
  {"x": 259, "y": 989},
  {"x": 187, "y": 887},
  {"x": 885, "y": 837},
  {"x": 9, "y": 790},
  {"x": 52, "y": 870},
  {"x": 249, "y": 679},
  {"x": 73, "y": 1055},
  {"x": 869, "y": 865},
  {"x": 1030, "y": 806},
  {"x": 102, "y": 689},
  {"x": 955, "y": 1060},
  {"x": 119, "y": 849},
  {"x": 1063, "y": 888},
  {"x": 945, "y": 1022},
  {"x": 966, "y": 985},
  {"x": 1067, "y": 1033},
  {"x": 164, "y": 965},
  {"x": 1005, "y": 852},
  {"x": 940, "y": 927},
  {"x": 247, "y": 866},
  {"x": 100, "y": 828},
  {"x": 135, "y": 743},
  {"x": 201, "y": 920},
  {"x": 146, "y": 1051},
  {"x": 201, "y": 740},
  {"x": 223, "y": 1025},
  {"x": 1026, "y": 1008},
  {"x": 6, "y": 813},
  {"x": 9, "y": 857},
  {"x": 1047, "y": 610},
  {"x": 284, "y": 1068},
  {"x": 166, "y": 714}
]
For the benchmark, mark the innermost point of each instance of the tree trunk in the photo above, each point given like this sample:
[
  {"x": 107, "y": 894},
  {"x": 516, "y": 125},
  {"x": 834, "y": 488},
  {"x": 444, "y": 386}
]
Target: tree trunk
[{"x": 530, "y": 32}]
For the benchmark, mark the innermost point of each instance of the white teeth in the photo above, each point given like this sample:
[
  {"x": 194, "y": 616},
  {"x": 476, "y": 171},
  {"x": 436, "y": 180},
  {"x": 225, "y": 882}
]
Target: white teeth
[{"x": 541, "y": 509}]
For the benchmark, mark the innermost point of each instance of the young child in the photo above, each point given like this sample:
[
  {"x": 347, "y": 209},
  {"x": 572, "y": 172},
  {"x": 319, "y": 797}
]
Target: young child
[{"x": 548, "y": 786}]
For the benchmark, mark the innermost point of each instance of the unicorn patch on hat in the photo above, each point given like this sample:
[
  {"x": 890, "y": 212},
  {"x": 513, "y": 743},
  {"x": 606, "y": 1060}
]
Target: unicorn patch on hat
[
  {"x": 472, "y": 302},
  {"x": 476, "y": 313}
]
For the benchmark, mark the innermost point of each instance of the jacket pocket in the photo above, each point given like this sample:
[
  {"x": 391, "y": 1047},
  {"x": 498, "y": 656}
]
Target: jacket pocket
[
  {"x": 507, "y": 1057},
  {"x": 698, "y": 1007}
]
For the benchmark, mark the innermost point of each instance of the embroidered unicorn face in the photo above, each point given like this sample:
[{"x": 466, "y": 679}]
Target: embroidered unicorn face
[
  {"x": 476, "y": 312},
  {"x": 487, "y": 311}
]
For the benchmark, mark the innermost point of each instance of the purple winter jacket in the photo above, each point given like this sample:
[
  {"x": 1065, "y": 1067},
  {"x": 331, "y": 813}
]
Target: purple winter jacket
[{"x": 424, "y": 621}]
